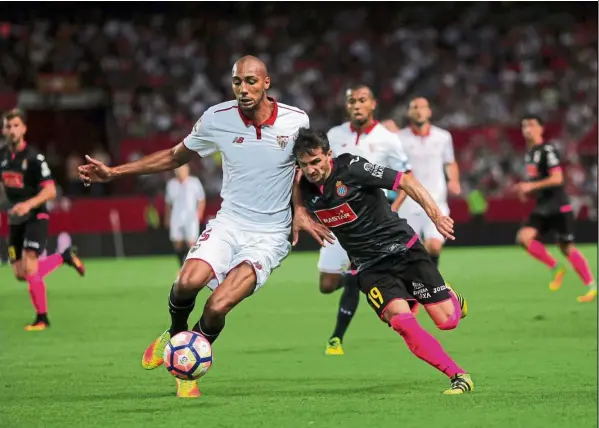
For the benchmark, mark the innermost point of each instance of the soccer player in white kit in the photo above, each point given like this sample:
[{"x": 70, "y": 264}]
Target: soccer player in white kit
[
  {"x": 236, "y": 253},
  {"x": 430, "y": 150},
  {"x": 362, "y": 136},
  {"x": 185, "y": 205}
]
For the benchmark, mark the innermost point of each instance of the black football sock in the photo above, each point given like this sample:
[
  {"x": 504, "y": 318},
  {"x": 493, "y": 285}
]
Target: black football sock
[
  {"x": 435, "y": 259},
  {"x": 42, "y": 318},
  {"x": 211, "y": 333},
  {"x": 347, "y": 305},
  {"x": 180, "y": 309},
  {"x": 182, "y": 254}
]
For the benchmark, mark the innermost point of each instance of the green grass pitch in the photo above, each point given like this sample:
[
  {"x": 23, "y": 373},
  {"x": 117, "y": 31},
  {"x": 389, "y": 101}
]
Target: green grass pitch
[{"x": 532, "y": 353}]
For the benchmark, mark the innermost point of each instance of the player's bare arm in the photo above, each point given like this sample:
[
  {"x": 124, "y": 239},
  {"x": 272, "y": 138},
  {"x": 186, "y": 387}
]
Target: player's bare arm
[
  {"x": 302, "y": 219},
  {"x": 555, "y": 179},
  {"x": 418, "y": 193},
  {"x": 401, "y": 197},
  {"x": 47, "y": 193},
  {"x": 201, "y": 209},
  {"x": 453, "y": 175},
  {"x": 163, "y": 160}
]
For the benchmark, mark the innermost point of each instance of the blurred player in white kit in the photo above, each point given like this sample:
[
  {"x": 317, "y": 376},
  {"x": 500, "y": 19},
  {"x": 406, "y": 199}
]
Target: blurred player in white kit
[
  {"x": 366, "y": 137},
  {"x": 248, "y": 239},
  {"x": 430, "y": 150},
  {"x": 185, "y": 205}
]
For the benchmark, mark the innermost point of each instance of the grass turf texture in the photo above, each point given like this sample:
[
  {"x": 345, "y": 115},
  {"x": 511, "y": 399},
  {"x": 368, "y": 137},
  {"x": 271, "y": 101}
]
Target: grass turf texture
[{"x": 532, "y": 353}]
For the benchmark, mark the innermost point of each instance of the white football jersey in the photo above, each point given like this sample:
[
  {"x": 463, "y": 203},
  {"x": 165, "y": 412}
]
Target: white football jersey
[
  {"x": 377, "y": 144},
  {"x": 258, "y": 162},
  {"x": 183, "y": 197},
  {"x": 428, "y": 154}
]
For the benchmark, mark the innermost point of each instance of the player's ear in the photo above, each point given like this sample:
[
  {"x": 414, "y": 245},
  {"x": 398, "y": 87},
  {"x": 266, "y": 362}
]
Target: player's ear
[{"x": 266, "y": 82}]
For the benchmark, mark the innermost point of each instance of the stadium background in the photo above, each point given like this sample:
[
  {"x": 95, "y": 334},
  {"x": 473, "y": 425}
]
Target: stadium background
[{"x": 119, "y": 80}]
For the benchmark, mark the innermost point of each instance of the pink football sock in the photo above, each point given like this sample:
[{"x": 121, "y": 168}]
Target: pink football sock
[
  {"x": 581, "y": 266},
  {"x": 539, "y": 252},
  {"x": 49, "y": 264},
  {"x": 423, "y": 345},
  {"x": 37, "y": 291}
]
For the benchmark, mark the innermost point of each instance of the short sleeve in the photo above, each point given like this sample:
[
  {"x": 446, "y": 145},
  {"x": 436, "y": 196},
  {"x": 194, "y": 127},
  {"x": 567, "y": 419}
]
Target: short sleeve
[
  {"x": 552, "y": 158},
  {"x": 41, "y": 169},
  {"x": 398, "y": 159},
  {"x": 368, "y": 174},
  {"x": 448, "y": 155},
  {"x": 201, "y": 139}
]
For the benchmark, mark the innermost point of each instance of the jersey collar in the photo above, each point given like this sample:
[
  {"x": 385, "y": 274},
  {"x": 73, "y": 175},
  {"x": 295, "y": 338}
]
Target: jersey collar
[
  {"x": 365, "y": 131},
  {"x": 425, "y": 132},
  {"x": 268, "y": 122}
]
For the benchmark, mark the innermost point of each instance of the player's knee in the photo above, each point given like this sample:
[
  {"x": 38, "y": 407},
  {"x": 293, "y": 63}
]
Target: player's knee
[
  {"x": 329, "y": 282},
  {"x": 20, "y": 276},
  {"x": 193, "y": 277},
  {"x": 433, "y": 247},
  {"x": 525, "y": 236},
  {"x": 448, "y": 323}
]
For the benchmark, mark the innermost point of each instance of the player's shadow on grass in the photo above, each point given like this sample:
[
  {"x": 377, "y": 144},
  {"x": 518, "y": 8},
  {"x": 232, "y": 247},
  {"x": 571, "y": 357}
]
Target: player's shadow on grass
[{"x": 268, "y": 350}]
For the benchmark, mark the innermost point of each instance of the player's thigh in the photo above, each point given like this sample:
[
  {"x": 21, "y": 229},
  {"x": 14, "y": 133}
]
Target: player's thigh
[
  {"x": 423, "y": 280},
  {"x": 329, "y": 282},
  {"x": 263, "y": 251},
  {"x": 532, "y": 227},
  {"x": 215, "y": 247},
  {"x": 16, "y": 237},
  {"x": 34, "y": 243},
  {"x": 333, "y": 259},
  {"x": 383, "y": 290},
  {"x": 563, "y": 224}
]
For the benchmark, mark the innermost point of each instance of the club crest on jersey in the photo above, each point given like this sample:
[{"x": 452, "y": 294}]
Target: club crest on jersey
[
  {"x": 341, "y": 189},
  {"x": 282, "y": 140}
]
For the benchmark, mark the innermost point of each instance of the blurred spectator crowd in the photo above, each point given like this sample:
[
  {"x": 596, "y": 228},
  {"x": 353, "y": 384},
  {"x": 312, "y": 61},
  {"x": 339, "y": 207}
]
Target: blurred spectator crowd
[{"x": 481, "y": 65}]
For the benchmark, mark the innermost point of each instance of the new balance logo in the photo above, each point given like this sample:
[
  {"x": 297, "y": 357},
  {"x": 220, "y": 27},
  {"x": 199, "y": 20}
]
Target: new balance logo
[{"x": 238, "y": 140}]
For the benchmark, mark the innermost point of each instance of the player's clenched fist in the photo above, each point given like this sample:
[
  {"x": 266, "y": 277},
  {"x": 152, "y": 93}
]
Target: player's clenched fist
[
  {"x": 444, "y": 225},
  {"x": 94, "y": 172}
]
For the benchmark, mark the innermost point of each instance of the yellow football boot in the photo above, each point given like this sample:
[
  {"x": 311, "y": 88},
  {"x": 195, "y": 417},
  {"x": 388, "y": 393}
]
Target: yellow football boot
[
  {"x": 590, "y": 295},
  {"x": 334, "y": 347},
  {"x": 558, "y": 277},
  {"x": 188, "y": 389},
  {"x": 153, "y": 356},
  {"x": 460, "y": 384}
]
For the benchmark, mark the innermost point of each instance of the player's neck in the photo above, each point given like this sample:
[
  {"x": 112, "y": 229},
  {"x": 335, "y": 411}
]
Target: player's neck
[
  {"x": 534, "y": 142},
  {"x": 262, "y": 112},
  {"x": 17, "y": 147},
  {"x": 364, "y": 128},
  {"x": 420, "y": 128}
]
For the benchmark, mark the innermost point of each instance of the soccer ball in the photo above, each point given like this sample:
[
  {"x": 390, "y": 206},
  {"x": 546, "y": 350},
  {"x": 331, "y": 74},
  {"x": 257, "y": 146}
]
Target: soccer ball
[{"x": 188, "y": 355}]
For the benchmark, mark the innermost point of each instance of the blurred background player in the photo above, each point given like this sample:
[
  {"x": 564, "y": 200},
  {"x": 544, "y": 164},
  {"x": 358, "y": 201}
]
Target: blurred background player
[
  {"x": 28, "y": 185},
  {"x": 552, "y": 212},
  {"x": 184, "y": 210},
  {"x": 430, "y": 150},
  {"x": 248, "y": 239},
  {"x": 366, "y": 137}
]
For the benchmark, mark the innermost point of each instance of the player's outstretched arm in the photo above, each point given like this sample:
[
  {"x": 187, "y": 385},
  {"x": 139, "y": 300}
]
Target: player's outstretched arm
[
  {"x": 96, "y": 172},
  {"x": 417, "y": 192}
]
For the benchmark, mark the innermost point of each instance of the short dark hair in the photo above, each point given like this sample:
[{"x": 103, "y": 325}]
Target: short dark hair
[
  {"x": 308, "y": 140},
  {"x": 359, "y": 86},
  {"x": 13, "y": 114},
  {"x": 532, "y": 117}
]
